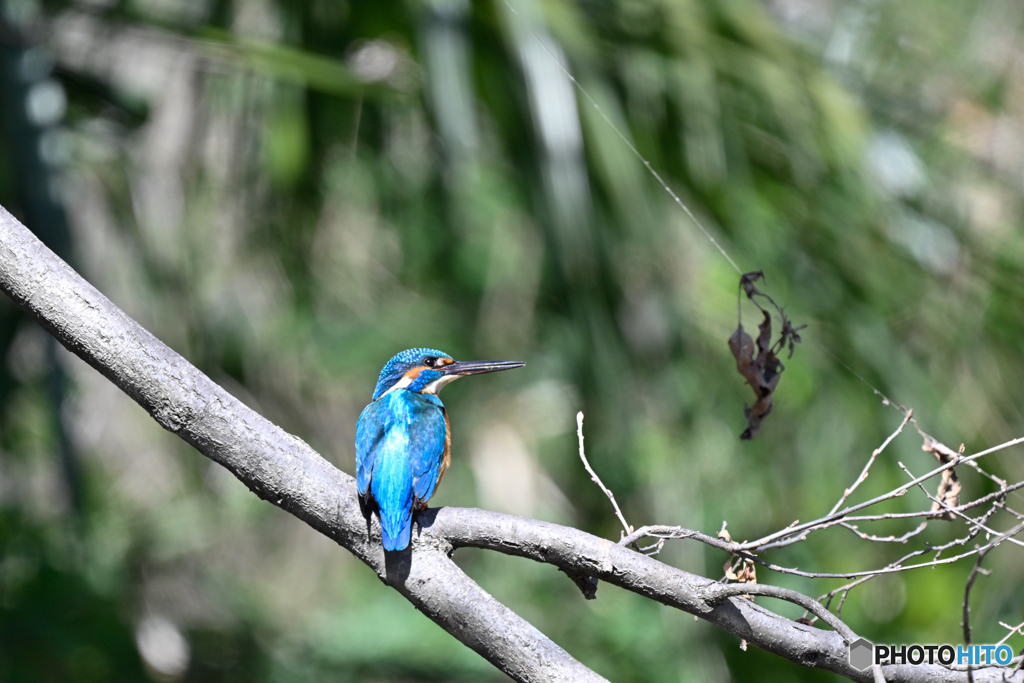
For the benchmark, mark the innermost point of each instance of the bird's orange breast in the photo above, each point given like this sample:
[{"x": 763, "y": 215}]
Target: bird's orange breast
[{"x": 447, "y": 459}]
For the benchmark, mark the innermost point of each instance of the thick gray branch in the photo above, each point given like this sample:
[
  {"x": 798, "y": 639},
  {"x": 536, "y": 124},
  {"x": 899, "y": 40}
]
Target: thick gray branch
[{"x": 282, "y": 469}]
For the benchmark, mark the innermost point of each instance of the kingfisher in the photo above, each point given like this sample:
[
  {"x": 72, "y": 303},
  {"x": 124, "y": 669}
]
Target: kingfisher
[{"x": 403, "y": 438}]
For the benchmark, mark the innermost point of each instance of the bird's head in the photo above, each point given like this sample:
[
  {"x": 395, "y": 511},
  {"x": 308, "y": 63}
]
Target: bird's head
[{"x": 425, "y": 371}]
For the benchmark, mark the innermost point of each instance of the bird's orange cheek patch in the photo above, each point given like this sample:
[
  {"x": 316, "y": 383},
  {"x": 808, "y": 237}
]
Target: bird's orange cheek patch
[{"x": 413, "y": 373}]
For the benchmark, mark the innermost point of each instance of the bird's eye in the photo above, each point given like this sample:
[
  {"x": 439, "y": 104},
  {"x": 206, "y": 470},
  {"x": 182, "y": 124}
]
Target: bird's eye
[{"x": 430, "y": 362}]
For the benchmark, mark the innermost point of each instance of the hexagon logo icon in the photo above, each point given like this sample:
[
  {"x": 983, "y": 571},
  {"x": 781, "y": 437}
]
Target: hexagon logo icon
[{"x": 860, "y": 654}]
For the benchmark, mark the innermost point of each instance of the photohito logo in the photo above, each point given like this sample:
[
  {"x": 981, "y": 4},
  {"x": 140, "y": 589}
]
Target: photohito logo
[{"x": 863, "y": 654}]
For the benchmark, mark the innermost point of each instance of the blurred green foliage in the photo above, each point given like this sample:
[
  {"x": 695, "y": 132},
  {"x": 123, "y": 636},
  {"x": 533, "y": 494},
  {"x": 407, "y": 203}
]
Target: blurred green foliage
[{"x": 287, "y": 192}]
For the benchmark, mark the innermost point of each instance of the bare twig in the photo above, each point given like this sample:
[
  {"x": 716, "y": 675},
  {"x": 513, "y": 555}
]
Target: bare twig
[
  {"x": 1014, "y": 630},
  {"x": 678, "y": 532},
  {"x": 844, "y": 589},
  {"x": 1010, "y": 510},
  {"x": 932, "y": 444},
  {"x": 967, "y": 603},
  {"x": 886, "y": 539},
  {"x": 994, "y": 496},
  {"x": 794, "y": 534},
  {"x": 596, "y": 479},
  {"x": 871, "y": 461},
  {"x": 954, "y": 513}
]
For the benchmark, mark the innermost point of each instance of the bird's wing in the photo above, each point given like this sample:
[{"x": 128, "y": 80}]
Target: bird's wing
[
  {"x": 427, "y": 436},
  {"x": 370, "y": 430}
]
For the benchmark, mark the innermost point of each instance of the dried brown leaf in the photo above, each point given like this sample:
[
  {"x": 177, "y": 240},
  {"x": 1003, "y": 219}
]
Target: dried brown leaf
[
  {"x": 762, "y": 371},
  {"x": 949, "y": 485},
  {"x": 745, "y": 571},
  {"x": 757, "y": 362},
  {"x": 949, "y": 494},
  {"x": 742, "y": 347}
]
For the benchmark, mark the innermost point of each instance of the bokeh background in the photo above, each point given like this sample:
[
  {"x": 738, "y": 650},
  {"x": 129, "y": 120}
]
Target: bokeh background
[{"x": 287, "y": 192}]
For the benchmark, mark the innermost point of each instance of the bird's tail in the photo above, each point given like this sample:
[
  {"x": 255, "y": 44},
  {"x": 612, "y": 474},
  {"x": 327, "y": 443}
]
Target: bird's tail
[
  {"x": 396, "y": 528},
  {"x": 392, "y": 488}
]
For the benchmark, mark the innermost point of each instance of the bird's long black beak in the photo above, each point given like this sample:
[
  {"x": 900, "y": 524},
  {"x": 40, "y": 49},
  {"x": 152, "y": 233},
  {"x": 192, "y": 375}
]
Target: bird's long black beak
[{"x": 461, "y": 368}]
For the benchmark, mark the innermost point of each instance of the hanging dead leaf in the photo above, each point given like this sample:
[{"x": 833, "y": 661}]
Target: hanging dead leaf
[
  {"x": 758, "y": 362},
  {"x": 949, "y": 494},
  {"x": 762, "y": 372},
  {"x": 949, "y": 485}
]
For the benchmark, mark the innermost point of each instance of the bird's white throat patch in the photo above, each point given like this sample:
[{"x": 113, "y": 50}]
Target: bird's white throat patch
[{"x": 439, "y": 383}]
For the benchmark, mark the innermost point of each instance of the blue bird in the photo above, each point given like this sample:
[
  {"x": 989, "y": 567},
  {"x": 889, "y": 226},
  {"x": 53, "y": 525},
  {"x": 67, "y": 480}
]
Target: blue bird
[{"x": 403, "y": 439}]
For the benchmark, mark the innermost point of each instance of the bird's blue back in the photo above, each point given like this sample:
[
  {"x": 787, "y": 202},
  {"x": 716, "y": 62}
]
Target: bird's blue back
[{"x": 400, "y": 449}]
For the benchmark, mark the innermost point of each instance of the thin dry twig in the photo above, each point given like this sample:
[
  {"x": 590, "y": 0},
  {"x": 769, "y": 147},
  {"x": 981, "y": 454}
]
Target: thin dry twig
[
  {"x": 844, "y": 589},
  {"x": 967, "y": 603},
  {"x": 670, "y": 532},
  {"x": 596, "y": 479},
  {"x": 931, "y": 440},
  {"x": 953, "y": 513},
  {"x": 874, "y": 455},
  {"x": 1010, "y": 510},
  {"x": 1014, "y": 630},
  {"x": 667, "y": 532},
  {"x": 886, "y": 539},
  {"x": 795, "y": 534},
  {"x": 964, "y": 506}
]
